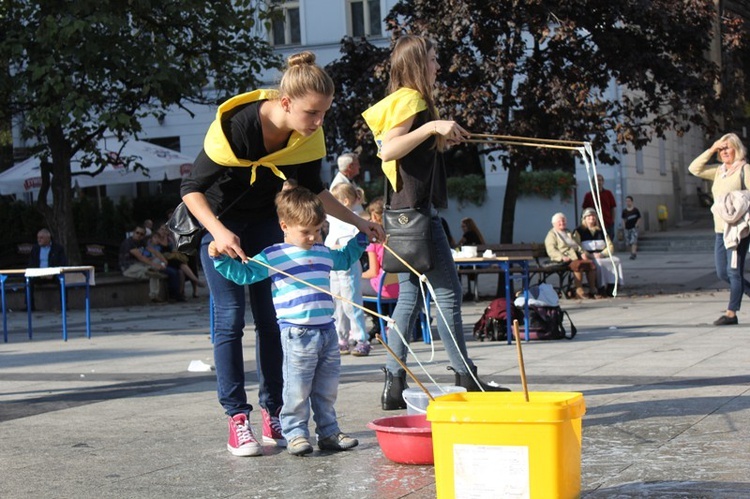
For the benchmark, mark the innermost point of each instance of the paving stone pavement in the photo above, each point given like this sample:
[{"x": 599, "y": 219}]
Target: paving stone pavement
[{"x": 667, "y": 397}]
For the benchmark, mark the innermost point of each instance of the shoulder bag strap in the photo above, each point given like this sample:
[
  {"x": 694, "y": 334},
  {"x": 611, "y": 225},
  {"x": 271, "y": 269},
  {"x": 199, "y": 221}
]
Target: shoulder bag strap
[
  {"x": 432, "y": 183},
  {"x": 233, "y": 202},
  {"x": 742, "y": 178},
  {"x": 573, "y": 329}
]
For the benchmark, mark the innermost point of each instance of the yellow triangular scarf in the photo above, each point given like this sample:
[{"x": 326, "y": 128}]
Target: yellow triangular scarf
[
  {"x": 386, "y": 114},
  {"x": 299, "y": 149}
]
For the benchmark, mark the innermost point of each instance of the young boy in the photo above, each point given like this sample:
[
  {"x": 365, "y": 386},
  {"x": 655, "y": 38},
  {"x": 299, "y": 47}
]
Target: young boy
[
  {"x": 309, "y": 341},
  {"x": 350, "y": 320},
  {"x": 631, "y": 218}
]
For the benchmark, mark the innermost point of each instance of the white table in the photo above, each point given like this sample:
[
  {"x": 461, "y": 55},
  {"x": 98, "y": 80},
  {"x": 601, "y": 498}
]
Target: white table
[{"x": 69, "y": 277}]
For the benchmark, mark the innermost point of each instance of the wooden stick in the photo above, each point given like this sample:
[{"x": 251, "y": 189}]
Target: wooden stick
[
  {"x": 411, "y": 375},
  {"x": 517, "y": 138},
  {"x": 398, "y": 257},
  {"x": 528, "y": 144},
  {"x": 520, "y": 359},
  {"x": 365, "y": 309}
]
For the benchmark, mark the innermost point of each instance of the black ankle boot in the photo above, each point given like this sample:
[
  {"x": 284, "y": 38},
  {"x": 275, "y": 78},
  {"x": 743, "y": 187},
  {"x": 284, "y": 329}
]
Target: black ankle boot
[
  {"x": 392, "y": 398},
  {"x": 468, "y": 382}
]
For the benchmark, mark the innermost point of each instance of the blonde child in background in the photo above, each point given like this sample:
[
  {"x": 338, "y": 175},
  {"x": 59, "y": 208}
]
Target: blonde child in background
[{"x": 350, "y": 320}]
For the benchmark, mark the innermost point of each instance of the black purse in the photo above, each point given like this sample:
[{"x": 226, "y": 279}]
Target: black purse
[
  {"x": 409, "y": 234},
  {"x": 187, "y": 230}
]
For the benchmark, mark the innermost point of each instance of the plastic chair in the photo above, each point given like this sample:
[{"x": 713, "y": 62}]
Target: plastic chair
[{"x": 385, "y": 306}]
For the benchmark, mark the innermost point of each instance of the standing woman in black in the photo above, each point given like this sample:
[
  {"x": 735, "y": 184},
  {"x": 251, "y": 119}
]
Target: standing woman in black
[
  {"x": 411, "y": 140},
  {"x": 258, "y": 140}
]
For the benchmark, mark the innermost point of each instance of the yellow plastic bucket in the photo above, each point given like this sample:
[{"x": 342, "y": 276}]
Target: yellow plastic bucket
[{"x": 495, "y": 444}]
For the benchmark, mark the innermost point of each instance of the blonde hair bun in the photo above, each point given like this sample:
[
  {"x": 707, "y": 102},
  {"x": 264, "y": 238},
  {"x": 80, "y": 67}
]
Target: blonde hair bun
[{"x": 300, "y": 59}]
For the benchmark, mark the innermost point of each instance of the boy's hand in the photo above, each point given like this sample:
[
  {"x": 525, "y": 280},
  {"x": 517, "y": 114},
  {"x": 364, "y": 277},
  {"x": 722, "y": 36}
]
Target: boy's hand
[{"x": 213, "y": 251}]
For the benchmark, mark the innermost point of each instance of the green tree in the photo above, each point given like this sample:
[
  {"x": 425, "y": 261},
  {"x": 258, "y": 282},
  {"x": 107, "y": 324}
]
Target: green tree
[
  {"x": 74, "y": 71},
  {"x": 547, "y": 68},
  {"x": 360, "y": 76}
]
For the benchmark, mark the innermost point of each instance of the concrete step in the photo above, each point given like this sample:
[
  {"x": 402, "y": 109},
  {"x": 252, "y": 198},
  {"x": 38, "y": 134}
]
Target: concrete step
[{"x": 677, "y": 243}]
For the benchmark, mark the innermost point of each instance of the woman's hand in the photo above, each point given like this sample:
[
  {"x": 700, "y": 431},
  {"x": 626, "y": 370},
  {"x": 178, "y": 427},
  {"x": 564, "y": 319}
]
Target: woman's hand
[
  {"x": 718, "y": 145},
  {"x": 374, "y": 231},
  {"x": 228, "y": 243},
  {"x": 452, "y": 131}
]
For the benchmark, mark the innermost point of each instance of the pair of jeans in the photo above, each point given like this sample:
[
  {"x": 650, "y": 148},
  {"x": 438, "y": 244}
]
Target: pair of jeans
[
  {"x": 444, "y": 279},
  {"x": 173, "y": 282},
  {"x": 350, "y": 320},
  {"x": 312, "y": 364},
  {"x": 229, "y": 322},
  {"x": 734, "y": 276}
]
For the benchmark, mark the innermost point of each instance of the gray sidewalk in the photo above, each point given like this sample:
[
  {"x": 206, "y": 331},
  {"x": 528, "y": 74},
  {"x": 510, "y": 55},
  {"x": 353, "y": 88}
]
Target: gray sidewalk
[{"x": 668, "y": 411}]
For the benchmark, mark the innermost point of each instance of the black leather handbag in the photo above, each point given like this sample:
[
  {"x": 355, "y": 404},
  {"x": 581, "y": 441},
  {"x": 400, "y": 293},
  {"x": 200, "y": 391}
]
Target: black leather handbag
[
  {"x": 186, "y": 229},
  {"x": 409, "y": 234}
]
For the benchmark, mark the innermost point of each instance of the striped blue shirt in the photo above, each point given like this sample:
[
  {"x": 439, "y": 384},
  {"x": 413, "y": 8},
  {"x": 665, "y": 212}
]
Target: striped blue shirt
[{"x": 296, "y": 303}]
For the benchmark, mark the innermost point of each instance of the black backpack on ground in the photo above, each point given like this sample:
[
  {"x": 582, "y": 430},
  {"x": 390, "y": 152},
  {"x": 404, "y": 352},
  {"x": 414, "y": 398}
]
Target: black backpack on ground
[
  {"x": 546, "y": 323},
  {"x": 492, "y": 325}
]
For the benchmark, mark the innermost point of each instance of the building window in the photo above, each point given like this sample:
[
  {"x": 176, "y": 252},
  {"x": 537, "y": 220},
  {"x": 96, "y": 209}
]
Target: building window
[
  {"x": 662, "y": 157},
  {"x": 285, "y": 29},
  {"x": 364, "y": 18},
  {"x": 639, "y": 161}
]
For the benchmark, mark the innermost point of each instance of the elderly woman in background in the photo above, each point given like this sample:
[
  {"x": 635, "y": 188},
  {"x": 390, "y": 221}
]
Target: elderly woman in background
[
  {"x": 563, "y": 247},
  {"x": 728, "y": 176},
  {"x": 600, "y": 250}
]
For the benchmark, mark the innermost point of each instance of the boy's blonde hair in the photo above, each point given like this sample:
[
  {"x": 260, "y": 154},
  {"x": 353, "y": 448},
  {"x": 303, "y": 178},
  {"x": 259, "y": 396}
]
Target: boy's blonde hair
[
  {"x": 344, "y": 191},
  {"x": 299, "y": 206}
]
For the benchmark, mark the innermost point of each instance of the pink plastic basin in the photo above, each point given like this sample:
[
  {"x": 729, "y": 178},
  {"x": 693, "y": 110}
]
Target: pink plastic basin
[{"x": 405, "y": 439}]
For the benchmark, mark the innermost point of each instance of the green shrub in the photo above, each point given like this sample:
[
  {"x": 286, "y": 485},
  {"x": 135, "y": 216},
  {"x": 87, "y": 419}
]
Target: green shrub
[
  {"x": 468, "y": 189},
  {"x": 547, "y": 183}
]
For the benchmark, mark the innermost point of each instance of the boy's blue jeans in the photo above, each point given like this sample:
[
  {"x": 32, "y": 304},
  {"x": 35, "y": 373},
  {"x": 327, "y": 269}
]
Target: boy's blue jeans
[
  {"x": 229, "y": 322},
  {"x": 312, "y": 364}
]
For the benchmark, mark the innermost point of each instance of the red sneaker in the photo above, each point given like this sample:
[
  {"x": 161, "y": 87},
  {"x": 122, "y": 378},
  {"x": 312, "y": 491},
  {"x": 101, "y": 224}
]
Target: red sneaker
[
  {"x": 272, "y": 428},
  {"x": 241, "y": 441}
]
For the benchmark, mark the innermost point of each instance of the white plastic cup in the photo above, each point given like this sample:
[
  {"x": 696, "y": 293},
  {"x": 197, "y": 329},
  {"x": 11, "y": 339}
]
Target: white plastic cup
[
  {"x": 417, "y": 400},
  {"x": 469, "y": 251}
]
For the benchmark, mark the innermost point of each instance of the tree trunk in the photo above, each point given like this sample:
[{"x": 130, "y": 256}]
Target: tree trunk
[
  {"x": 59, "y": 217},
  {"x": 509, "y": 205}
]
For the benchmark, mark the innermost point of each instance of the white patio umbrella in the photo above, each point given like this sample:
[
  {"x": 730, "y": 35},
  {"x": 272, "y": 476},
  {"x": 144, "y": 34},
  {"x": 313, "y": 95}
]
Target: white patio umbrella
[{"x": 162, "y": 163}]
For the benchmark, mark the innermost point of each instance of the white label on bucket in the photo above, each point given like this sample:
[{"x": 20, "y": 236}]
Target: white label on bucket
[{"x": 491, "y": 471}]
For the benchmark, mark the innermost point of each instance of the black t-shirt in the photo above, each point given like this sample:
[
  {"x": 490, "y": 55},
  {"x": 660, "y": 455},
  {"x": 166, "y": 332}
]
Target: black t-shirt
[
  {"x": 125, "y": 257},
  {"x": 631, "y": 217},
  {"x": 471, "y": 238},
  {"x": 586, "y": 235},
  {"x": 222, "y": 184},
  {"x": 415, "y": 172}
]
